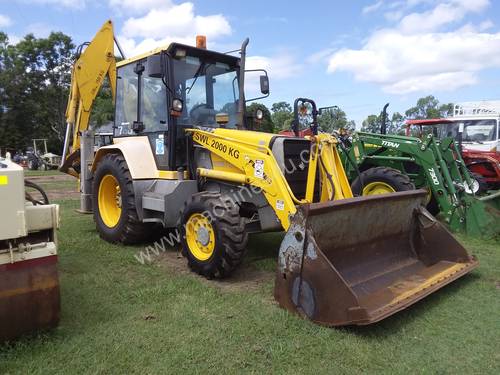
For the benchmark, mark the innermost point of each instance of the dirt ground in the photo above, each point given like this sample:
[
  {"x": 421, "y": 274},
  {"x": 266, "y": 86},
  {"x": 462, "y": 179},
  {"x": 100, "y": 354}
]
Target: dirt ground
[
  {"x": 246, "y": 277},
  {"x": 58, "y": 186}
]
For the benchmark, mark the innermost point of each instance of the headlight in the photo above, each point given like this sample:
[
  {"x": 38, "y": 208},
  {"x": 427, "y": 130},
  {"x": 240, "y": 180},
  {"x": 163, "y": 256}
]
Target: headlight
[
  {"x": 259, "y": 114},
  {"x": 177, "y": 105}
]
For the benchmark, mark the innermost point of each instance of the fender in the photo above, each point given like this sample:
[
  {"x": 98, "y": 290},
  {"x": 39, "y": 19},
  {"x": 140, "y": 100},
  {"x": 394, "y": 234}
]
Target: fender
[{"x": 138, "y": 155}]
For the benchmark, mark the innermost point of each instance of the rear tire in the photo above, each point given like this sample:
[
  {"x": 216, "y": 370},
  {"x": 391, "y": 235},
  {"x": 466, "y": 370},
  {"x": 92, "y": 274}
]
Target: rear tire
[
  {"x": 380, "y": 180},
  {"x": 123, "y": 224},
  {"x": 213, "y": 235}
]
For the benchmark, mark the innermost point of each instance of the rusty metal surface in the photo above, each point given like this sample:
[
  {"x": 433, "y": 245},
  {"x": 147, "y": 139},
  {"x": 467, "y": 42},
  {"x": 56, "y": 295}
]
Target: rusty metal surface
[
  {"x": 357, "y": 261},
  {"x": 29, "y": 297}
]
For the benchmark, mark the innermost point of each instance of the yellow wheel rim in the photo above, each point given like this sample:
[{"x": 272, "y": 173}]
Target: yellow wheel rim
[
  {"x": 200, "y": 236},
  {"x": 377, "y": 187},
  {"x": 109, "y": 201}
]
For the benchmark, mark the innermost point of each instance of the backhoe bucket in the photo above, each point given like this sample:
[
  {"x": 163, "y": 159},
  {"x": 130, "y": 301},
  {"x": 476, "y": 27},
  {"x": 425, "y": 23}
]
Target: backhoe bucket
[{"x": 357, "y": 261}]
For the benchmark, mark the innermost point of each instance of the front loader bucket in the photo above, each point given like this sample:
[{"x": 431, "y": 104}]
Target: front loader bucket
[
  {"x": 482, "y": 216},
  {"x": 357, "y": 261}
]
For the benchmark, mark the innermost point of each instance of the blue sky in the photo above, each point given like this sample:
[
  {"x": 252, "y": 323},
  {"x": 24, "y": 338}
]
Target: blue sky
[{"x": 355, "y": 54}]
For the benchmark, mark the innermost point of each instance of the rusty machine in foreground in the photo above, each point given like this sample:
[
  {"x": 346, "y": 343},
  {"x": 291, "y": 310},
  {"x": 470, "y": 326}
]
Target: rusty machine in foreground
[
  {"x": 185, "y": 155},
  {"x": 29, "y": 283}
]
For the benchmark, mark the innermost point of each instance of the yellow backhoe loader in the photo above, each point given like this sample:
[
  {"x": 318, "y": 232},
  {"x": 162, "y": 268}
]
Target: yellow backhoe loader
[{"x": 184, "y": 155}]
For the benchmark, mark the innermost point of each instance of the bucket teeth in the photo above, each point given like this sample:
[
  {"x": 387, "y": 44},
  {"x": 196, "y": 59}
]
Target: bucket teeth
[{"x": 357, "y": 261}]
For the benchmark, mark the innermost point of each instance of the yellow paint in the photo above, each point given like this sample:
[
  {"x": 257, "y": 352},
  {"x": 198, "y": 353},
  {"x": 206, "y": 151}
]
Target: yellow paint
[
  {"x": 87, "y": 76},
  {"x": 171, "y": 175},
  {"x": 429, "y": 282},
  {"x": 4, "y": 180},
  {"x": 109, "y": 201},
  {"x": 142, "y": 56},
  {"x": 200, "y": 237},
  {"x": 220, "y": 164},
  {"x": 377, "y": 187},
  {"x": 222, "y": 175},
  {"x": 244, "y": 149}
]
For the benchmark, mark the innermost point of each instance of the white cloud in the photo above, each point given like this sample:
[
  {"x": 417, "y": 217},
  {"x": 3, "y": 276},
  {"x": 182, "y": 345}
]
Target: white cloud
[
  {"x": 279, "y": 66},
  {"x": 372, "y": 7},
  {"x": 415, "y": 56},
  {"x": 5, "y": 21},
  {"x": 443, "y": 14},
  {"x": 138, "y": 6},
  {"x": 177, "y": 23},
  {"x": 409, "y": 63}
]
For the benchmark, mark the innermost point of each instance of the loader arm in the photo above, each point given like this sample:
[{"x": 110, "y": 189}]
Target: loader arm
[
  {"x": 244, "y": 156},
  {"x": 443, "y": 171},
  {"x": 94, "y": 64}
]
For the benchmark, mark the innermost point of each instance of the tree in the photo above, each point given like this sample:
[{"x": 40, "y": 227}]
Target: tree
[
  {"x": 334, "y": 118},
  {"x": 264, "y": 125},
  {"x": 34, "y": 83},
  {"x": 282, "y": 115},
  {"x": 371, "y": 124},
  {"x": 429, "y": 107}
]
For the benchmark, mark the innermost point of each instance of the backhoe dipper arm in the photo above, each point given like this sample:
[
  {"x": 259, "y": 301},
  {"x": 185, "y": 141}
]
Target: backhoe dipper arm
[{"x": 89, "y": 71}]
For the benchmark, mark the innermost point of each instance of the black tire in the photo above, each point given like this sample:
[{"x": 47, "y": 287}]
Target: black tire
[
  {"x": 483, "y": 185},
  {"x": 33, "y": 199},
  {"x": 230, "y": 235},
  {"x": 433, "y": 206},
  {"x": 390, "y": 176},
  {"x": 129, "y": 229},
  {"x": 32, "y": 165}
]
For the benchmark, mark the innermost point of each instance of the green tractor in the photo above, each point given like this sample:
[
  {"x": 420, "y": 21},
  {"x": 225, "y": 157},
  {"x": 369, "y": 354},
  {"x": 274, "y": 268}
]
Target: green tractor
[{"x": 382, "y": 163}]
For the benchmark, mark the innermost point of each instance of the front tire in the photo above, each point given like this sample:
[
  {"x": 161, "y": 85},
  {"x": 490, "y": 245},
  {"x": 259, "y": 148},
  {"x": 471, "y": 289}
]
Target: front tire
[
  {"x": 213, "y": 235},
  {"x": 113, "y": 202},
  {"x": 381, "y": 180}
]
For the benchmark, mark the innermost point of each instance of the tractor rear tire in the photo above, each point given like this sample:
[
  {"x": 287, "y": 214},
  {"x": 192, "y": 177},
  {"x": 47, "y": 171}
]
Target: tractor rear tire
[
  {"x": 214, "y": 238},
  {"x": 379, "y": 180},
  {"x": 116, "y": 215}
]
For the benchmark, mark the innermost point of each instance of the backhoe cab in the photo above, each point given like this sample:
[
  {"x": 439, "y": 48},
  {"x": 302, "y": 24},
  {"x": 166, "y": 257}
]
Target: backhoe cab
[{"x": 183, "y": 157}]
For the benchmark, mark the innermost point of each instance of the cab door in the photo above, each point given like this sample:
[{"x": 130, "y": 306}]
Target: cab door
[{"x": 141, "y": 109}]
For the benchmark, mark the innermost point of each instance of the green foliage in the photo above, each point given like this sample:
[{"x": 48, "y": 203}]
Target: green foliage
[
  {"x": 266, "y": 124},
  {"x": 34, "y": 83},
  {"x": 103, "y": 109},
  {"x": 334, "y": 118},
  {"x": 373, "y": 123},
  {"x": 429, "y": 107},
  {"x": 426, "y": 107},
  {"x": 282, "y": 116}
]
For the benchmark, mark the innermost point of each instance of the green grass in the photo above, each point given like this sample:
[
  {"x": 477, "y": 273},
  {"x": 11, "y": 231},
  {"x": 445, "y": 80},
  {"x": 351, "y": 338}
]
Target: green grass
[{"x": 201, "y": 328}]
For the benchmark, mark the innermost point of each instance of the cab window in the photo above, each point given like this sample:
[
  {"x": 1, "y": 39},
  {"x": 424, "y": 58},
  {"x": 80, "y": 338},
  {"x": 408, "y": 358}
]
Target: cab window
[
  {"x": 153, "y": 101},
  {"x": 153, "y": 104},
  {"x": 126, "y": 99}
]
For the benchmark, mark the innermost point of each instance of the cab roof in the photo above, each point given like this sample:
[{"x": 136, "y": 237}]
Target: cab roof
[
  {"x": 428, "y": 121},
  {"x": 172, "y": 47}
]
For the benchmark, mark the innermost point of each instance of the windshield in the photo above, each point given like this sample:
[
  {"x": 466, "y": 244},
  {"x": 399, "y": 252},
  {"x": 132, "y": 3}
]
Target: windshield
[
  {"x": 209, "y": 91},
  {"x": 477, "y": 131}
]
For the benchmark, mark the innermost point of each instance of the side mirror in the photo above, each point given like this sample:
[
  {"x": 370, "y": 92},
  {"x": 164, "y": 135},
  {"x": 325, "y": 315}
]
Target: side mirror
[
  {"x": 264, "y": 84},
  {"x": 154, "y": 66},
  {"x": 251, "y": 83}
]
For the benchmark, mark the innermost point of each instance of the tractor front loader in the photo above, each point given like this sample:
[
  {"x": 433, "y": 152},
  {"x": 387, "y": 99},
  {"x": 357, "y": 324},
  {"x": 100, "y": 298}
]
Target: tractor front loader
[
  {"x": 431, "y": 164},
  {"x": 184, "y": 156}
]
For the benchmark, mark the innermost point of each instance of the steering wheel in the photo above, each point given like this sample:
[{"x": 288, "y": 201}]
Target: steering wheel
[{"x": 201, "y": 112}]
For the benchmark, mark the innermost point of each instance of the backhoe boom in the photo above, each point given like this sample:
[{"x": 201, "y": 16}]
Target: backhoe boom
[{"x": 94, "y": 64}]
